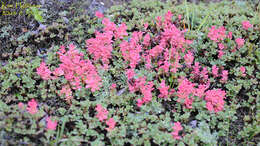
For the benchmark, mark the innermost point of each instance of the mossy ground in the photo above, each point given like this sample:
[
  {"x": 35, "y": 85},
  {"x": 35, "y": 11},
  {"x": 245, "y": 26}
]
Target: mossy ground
[{"x": 26, "y": 42}]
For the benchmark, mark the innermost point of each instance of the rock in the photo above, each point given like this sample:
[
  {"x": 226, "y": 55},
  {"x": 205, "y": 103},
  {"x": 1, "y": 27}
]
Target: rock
[
  {"x": 96, "y": 6},
  {"x": 42, "y": 27},
  {"x": 193, "y": 123},
  {"x": 120, "y": 92},
  {"x": 65, "y": 1},
  {"x": 65, "y": 19}
]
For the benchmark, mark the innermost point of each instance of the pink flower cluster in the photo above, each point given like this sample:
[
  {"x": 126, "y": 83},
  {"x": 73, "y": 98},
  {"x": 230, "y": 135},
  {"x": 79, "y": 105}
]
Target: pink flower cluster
[
  {"x": 215, "y": 71},
  {"x": 146, "y": 90},
  {"x": 118, "y": 32},
  {"x": 217, "y": 34},
  {"x": 215, "y": 100},
  {"x": 101, "y": 47},
  {"x": 220, "y": 51},
  {"x": 102, "y": 112},
  {"x": 224, "y": 76},
  {"x": 189, "y": 58},
  {"x": 243, "y": 70},
  {"x": 246, "y": 25},
  {"x": 131, "y": 50},
  {"x": 185, "y": 91},
  {"x": 172, "y": 34},
  {"x": 102, "y": 115},
  {"x": 140, "y": 85},
  {"x": 44, "y": 72},
  {"x": 163, "y": 90},
  {"x": 176, "y": 128},
  {"x": 200, "y": 73},
  {"x": 32, "y": 107},
  {"x": 240, "y": 42},
  {"x": 66, "y": 90},
  {"x": 147, "y": 40},
  {"x": 78, "y": 70},
  {"x": 111, "y": 123},
  {"x": 113, "y": 86},
  {"x": 99, "y": 14},
  {"x": 20, "y": 105},
  {"x": 51, "y": 125}
]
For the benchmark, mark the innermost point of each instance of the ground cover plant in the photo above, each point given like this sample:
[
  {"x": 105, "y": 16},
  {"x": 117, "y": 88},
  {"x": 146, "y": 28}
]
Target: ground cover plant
[{"x": 143, "y": 73}]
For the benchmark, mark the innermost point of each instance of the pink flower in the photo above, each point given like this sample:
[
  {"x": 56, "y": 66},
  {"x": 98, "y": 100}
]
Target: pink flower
[
  {"x": 145, "y": 25},
  {"x": 220, "y": 54},
  {"x": 188, "y": 102},
  {"x": 200, "y": 91},
  {"x": 32, "y": 107},
  {"x": 93, "y": 82},
  {"x": 130, "y": 73},
  {"x": 146, "y": 90},
  {"x": 146, "y": 41},
  {"x": 101, "y": 46},
  {"x": 229, "y": 35},
  {"x": 184, "y": 90},
  {"x": 58, "y": 72},
  {"x": 204, "y": 73},
  {"x": 102, "y": 113},
  {"x": 196, "y": 69},
  {"x": 62, "y": 49},
  {"x": 66, "y": 90},
  {"x": 215, "y": 100},
  {"x": 51, "y": 125},
  {"x": 224, "y": 76},
  {"x": 140, "y": 102},
  {"x": 20, "y": 105},
  {"x": 179, "y": 17},
  {"x": 168, "y": 18},
  {"x": 246, "y": 25},
  {"x": 163, "y": 90},
  {"x": 176, "y": 128},
  {"x": 158, "y": 21},
  {"x": 72, "y": 46},
  {"x": 221, "y": 46},
  {"x": 189, "y": 58},
  {"x": 215, "y": 71},
  {"x": 243, "y": 69},
  {"x": 121, "y": 31},
  {"x": 111, "y": 123},
  {"x": 217, "y": 35},
  {"x": 43, "y": 71},
  {"x": 77, "y": 70},
  {"x": 131, "y": 50},
  {"x": 113, "y": 86},
  {"x": 99, "y": 108},
  {"x": 240, "y": 42},
  {"x": 99, "y": 14},
  {"x": 109, "y": 26}
]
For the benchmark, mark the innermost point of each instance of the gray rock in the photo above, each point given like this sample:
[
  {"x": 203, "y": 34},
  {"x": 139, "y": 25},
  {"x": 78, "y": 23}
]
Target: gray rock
[
  {"x": 96, "y": 6},
  {"x": 42, "y": 27},
  {"x": 65, "y": 19},
  {"x": 120, "y": 92},
  {"x": 193, "y": 123},
  {"x": 65, "y": 1}
]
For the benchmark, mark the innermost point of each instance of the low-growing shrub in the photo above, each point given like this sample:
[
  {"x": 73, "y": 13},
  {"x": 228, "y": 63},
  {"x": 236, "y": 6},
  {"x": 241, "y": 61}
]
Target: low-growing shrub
[{"x": 149, "y": 73}]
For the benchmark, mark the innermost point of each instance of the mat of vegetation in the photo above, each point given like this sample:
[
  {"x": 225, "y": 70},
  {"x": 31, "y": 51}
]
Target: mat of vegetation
[{"x": 142, "y": 73}]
